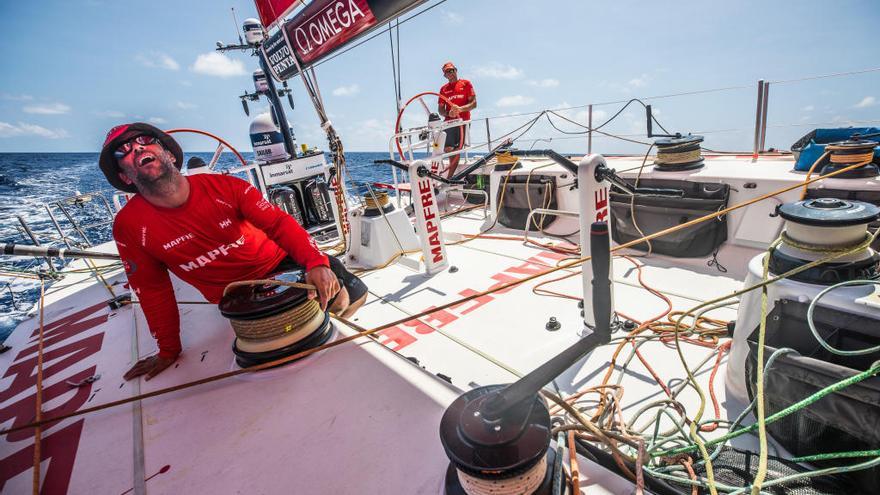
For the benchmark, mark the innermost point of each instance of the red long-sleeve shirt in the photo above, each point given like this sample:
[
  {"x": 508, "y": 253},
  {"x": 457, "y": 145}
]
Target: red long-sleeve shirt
[{"x": 226, "y": 231}]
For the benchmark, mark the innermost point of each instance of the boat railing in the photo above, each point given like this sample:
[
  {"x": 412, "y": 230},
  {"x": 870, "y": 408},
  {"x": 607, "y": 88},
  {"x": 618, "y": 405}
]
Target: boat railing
[{"x": 747, "y": 116}]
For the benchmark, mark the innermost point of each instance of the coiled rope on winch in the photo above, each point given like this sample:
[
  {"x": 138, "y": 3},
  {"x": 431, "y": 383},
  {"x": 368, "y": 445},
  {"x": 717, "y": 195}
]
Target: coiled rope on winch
[
  {"x": 852, "y": 153},
  {"x": 678, "y": 154},
  {"x": 526, "y": 482},
  {"x": 376, "y": 200},
  {"x": 296, "y": 322}
]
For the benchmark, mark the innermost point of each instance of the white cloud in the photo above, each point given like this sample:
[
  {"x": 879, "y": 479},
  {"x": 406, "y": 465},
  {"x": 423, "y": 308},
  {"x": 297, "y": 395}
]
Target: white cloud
[
  {"x": 47, "y": 108},
  {"x": 638, "y": 82},
  {"x": 627, "y": 87},
  {"x": 8, "y": 130},
  {"x": 868, "y": 101},
  {"x": 808, "y": 108},
  {"x": 349, "y": 90},
  {"x": 514, "y": 101},
  {"x": 158, "y": 120},
  {"x": 217, "y": 64},
  {"x": 544, "y": 83},
  {"x": 452, "y": 17},
  {"x": 113, "y": 114},
  {"x": 496, "y": 70},
  {"x": 7, "y": 96},
  {"x": 184, "y": 105},
  {"x": 157, "y": 60}
]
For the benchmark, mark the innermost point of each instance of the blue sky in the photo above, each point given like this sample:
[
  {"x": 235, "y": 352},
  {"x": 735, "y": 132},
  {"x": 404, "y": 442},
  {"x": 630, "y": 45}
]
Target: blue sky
[{"x": 72, "y": 69}]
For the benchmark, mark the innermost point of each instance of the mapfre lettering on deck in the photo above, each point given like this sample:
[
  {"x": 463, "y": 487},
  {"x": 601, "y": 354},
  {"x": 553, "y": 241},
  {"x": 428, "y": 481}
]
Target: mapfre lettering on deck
[{"x": 67, "y": 342}]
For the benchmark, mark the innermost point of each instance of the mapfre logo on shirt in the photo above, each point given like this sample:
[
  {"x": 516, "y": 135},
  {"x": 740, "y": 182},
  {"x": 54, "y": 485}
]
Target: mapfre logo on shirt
[{"x": 207, "y": 258}]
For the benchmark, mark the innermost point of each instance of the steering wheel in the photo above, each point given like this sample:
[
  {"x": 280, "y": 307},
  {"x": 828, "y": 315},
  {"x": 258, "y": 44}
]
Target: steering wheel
[{"x": 221, "y": 143}]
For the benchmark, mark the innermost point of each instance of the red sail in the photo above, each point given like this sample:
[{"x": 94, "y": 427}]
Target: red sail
[{"x": 271, "y": 10}]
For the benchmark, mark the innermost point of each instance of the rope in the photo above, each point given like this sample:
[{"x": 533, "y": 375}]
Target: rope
[
  {"x": 362, "y": 332},
  {"x": 526, "y": 482},
  {"x": 376, "y": 201},
  {"x": 815, "y": 331},
  {"x": 38, "y": 398},
  {"x": 673, "y": 158}
]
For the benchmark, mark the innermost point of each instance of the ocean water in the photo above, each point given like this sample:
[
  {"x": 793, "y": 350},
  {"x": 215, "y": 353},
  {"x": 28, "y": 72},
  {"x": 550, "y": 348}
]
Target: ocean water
[{"x": 30, "y": 180}]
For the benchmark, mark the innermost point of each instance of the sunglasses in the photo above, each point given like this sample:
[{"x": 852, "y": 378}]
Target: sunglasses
[
  {"x": 447, "y": 71},
  {"x": 126, "y": 147}
]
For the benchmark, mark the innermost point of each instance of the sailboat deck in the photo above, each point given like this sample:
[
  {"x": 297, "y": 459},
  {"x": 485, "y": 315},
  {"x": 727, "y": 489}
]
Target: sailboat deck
[{"x": 356, "y": 408}]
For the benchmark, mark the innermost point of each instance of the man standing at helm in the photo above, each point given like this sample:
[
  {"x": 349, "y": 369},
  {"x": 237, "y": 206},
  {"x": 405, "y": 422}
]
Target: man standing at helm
[
  {"x": 457, "y": 102},
  {"x": 207, "y": 229}
]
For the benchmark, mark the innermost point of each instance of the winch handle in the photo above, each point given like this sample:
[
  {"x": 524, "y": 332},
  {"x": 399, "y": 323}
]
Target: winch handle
[{"x": 526, "y": 387}]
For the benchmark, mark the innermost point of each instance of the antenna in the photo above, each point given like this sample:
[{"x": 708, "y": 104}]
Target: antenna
[{"x": 235, "y": 22}]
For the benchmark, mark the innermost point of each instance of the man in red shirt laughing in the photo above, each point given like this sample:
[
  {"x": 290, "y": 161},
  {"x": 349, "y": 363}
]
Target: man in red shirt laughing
[
  {"x": 457, "y": 102},
  {"x": 209, "y": 230}
]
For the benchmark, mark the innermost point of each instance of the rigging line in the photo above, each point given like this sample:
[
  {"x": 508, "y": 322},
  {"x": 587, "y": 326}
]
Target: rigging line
[
  {"x": 394, "y": 71},
  {"x": 824, "y": 76},
  {"x": 379, "y": 34},
  {"x": 399, "y": 74},
  {"x": 363, "y": 332}
]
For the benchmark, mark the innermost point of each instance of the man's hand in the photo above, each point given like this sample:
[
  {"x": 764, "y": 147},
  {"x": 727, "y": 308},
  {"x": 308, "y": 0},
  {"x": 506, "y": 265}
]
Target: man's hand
[
  {"x": 150, "y": 366},
  {"x": 454, "y": 111},
  {"x": 326, "y": 283}
]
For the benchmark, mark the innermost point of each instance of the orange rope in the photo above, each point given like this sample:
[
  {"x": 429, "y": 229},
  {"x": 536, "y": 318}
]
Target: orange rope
[{"x": 573, "y": 462}]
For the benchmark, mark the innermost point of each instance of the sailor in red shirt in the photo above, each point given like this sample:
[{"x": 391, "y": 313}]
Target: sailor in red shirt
[
  {"x": 459, "y": 100},
  {"x": 208, "y": 229}
]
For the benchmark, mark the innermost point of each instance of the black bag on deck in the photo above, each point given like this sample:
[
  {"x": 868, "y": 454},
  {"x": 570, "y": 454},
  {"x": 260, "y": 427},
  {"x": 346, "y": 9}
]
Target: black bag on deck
[
  {"x": 519, "y": 200},
  {"x": 655, "y": 213}
]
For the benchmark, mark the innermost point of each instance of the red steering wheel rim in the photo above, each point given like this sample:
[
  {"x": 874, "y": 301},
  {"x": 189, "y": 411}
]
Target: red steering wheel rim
[
  {"x": 218, "y": 138},
  {"x": 400, "y": 115}
]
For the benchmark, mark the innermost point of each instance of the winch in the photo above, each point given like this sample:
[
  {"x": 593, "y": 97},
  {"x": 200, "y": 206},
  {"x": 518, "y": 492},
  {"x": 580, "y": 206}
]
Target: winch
[
  {"x": 274, "y": 321},
  {"x": 822, "y": 326},
  {"x": 814, "y": 227},
  {"x": 678, "y": 153},
  {"x": 846, "y": 153}
]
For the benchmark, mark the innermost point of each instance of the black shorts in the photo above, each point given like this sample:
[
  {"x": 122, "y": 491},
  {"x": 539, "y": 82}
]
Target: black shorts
[
  {"x": 355, "y": 286},
  {"x": 453, "y": 137}
]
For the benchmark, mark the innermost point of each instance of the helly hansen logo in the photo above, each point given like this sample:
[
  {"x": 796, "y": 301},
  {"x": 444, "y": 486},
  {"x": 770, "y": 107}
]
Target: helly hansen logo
[
  {"x": 225, "y": 223},
  {"x": 222, "y": 250}
]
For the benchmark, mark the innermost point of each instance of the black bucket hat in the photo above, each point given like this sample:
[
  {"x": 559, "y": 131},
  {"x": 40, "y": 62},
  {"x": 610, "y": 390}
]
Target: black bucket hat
[{"x": 122, "y": 133}]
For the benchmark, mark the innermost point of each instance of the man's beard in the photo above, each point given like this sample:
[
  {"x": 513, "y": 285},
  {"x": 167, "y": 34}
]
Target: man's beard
[{"x": 160, "y": 184}]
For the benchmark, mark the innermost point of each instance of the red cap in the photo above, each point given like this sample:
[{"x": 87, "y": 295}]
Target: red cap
[
  {"x": 118, "y": 135},
  {"x": 448, "y": 65}
]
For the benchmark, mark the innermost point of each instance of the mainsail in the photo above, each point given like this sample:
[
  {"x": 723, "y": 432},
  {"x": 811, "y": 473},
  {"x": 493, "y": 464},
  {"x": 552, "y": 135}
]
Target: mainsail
[{"x": 322, "y": 28}]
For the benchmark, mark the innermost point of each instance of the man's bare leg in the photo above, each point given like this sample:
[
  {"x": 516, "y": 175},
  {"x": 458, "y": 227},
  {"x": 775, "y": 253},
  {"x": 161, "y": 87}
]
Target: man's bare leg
[
  {"x": 453, "y": 161},
  {"x": 343, "y": 306},
  {"x": 353, "y": 307}
]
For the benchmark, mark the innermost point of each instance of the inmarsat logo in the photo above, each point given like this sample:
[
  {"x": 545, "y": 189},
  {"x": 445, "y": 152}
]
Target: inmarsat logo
[{"x": 212, "y": 255}]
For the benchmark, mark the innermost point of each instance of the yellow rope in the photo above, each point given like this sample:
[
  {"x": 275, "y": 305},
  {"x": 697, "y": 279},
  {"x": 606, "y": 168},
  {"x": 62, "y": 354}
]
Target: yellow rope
[
  {"x": 841, "y": 158},
  {"x": 672, "y": 158}
]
